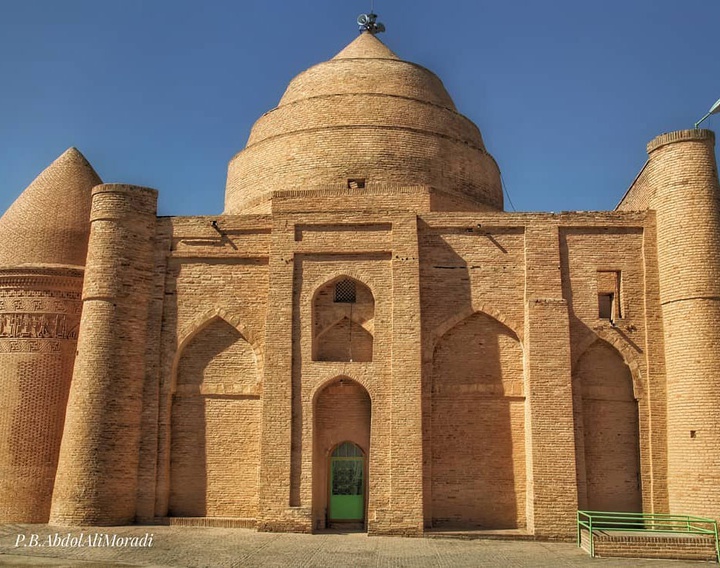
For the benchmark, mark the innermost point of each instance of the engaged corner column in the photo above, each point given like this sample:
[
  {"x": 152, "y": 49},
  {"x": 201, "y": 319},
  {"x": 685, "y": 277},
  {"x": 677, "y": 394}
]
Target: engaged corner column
[{"x": 96, "y": 481}]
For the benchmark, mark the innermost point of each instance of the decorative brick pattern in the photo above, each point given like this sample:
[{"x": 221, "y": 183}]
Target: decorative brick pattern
[{"x": 37, "y": 350}]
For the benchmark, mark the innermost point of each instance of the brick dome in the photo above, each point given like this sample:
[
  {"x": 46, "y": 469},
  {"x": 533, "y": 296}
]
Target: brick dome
[
  {"x": 50, "y": 222},
  {"x": 365, "y": 114}
]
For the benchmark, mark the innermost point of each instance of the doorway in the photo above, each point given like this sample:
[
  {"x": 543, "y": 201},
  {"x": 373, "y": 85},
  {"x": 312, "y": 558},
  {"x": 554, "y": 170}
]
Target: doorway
[
  {"x": 347, "y": 484},
  {"x": 341, "y": 455}
]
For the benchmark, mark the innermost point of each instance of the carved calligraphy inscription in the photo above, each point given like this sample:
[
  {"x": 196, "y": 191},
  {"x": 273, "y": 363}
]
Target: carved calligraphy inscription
[{"x": 38, "y": 326}]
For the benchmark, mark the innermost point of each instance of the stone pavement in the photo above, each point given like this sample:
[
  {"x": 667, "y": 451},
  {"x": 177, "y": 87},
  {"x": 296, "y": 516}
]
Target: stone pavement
[{"x": 220, "y": 547}]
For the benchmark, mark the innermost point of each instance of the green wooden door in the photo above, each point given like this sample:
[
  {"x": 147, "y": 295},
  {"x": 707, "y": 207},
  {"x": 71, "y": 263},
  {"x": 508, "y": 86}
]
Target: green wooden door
[{"x": 347, "y": 483}]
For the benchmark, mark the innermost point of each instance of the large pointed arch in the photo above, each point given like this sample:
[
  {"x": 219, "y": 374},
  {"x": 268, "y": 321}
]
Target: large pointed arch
[
  {"x": 201, "y": 322},
  {"x": 629, "y": 355},
  {"x": 215, "y": 412},
  {"x": 477, "y": 430},
  {"x": 607, "y": 430},
  {"x": 464, "y": 314}
]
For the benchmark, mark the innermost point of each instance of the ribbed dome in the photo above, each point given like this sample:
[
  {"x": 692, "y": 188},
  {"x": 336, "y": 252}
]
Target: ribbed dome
[
  {"x": 50, "y": 222},
  {"x": 365, "y": 114}
]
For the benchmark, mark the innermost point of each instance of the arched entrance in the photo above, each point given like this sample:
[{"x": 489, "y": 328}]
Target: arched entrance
[
  {"x": 346, "y": 490},
  {"x": 341, "y": 453},
  {"x": 607, "y": 432}
]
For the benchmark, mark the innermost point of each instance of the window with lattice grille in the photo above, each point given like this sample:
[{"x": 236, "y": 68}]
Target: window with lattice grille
[{"x": 345, "y": 292}]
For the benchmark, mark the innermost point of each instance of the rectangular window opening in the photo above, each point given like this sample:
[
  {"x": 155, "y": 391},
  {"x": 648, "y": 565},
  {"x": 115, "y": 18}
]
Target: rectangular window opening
[
  {"x": 608, "y": 291},
  {"x": 605, "y": 306}
]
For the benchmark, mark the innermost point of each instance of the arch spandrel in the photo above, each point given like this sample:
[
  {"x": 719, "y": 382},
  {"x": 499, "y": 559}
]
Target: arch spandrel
[
  {"x": 193, "y": 329},
  {"x": 436, "y": 335}
]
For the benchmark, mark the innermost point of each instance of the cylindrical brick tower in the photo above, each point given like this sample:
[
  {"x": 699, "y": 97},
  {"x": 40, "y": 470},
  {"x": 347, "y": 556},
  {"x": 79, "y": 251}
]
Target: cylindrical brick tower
[
  {"x": 43, "y": 243},
  {"x": 39, "y": 317},
  {"x": 98, "y": 465},
  {"x": 686, "y": 197}
]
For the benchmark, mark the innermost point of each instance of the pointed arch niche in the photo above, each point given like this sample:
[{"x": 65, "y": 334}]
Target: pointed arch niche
[
  {"x": 343, "y": 321},
  {"x": 342, "y": 411},
  {"x": 606, "y": 431},
  {"x": 215, "y": 426},
  {"x": 478, "y": 473}
]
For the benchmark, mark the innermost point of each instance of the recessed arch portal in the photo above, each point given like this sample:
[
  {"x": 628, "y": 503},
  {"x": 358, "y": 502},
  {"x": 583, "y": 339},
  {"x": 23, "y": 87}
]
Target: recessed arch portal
[
  {"x": 342, "y": 413},
  {"x": 607, "y": 431},
  {"x": 343, "y": 321},
  {"x": 215, "y": 426},
  {"x": 478, "y": 427}
]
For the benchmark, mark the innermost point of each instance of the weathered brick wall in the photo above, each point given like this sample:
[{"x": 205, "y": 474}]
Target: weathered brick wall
[
  {"x": 211, "y": 362},
  {"x": 39, "y": 318},
  {"x": 592, "y": 257},
  {"x": 490, "y": 263},
  {"x": 215, "y": 426}
]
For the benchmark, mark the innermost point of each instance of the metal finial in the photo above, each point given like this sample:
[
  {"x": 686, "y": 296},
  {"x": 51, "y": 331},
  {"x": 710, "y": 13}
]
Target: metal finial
[{"x": 369, "y": 23}]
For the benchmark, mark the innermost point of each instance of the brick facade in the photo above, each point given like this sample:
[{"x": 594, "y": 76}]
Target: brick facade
[{"x": 496, "y": 370}]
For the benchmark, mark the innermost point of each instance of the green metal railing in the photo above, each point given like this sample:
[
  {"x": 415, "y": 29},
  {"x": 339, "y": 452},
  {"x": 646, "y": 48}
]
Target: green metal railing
[{"x": 644, "y": 522}]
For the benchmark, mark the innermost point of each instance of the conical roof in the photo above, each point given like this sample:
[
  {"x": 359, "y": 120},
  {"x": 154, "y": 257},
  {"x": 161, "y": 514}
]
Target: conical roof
[
  {"x": 367, "y": 65},
  {"x": 364, "y": 114},
  {"x": 366, "y": 46},
  {"x": 50, "y": 222}
]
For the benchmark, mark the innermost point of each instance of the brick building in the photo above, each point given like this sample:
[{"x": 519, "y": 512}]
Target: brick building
[{"x": 364, "y": 335}]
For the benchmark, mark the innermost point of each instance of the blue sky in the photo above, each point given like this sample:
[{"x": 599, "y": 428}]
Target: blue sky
[{"x": 163, "y": 93}]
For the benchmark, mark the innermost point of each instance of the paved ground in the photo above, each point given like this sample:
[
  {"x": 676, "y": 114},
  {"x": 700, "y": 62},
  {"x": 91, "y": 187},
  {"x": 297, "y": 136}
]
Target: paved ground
[{"x": 215, "y": 547}]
